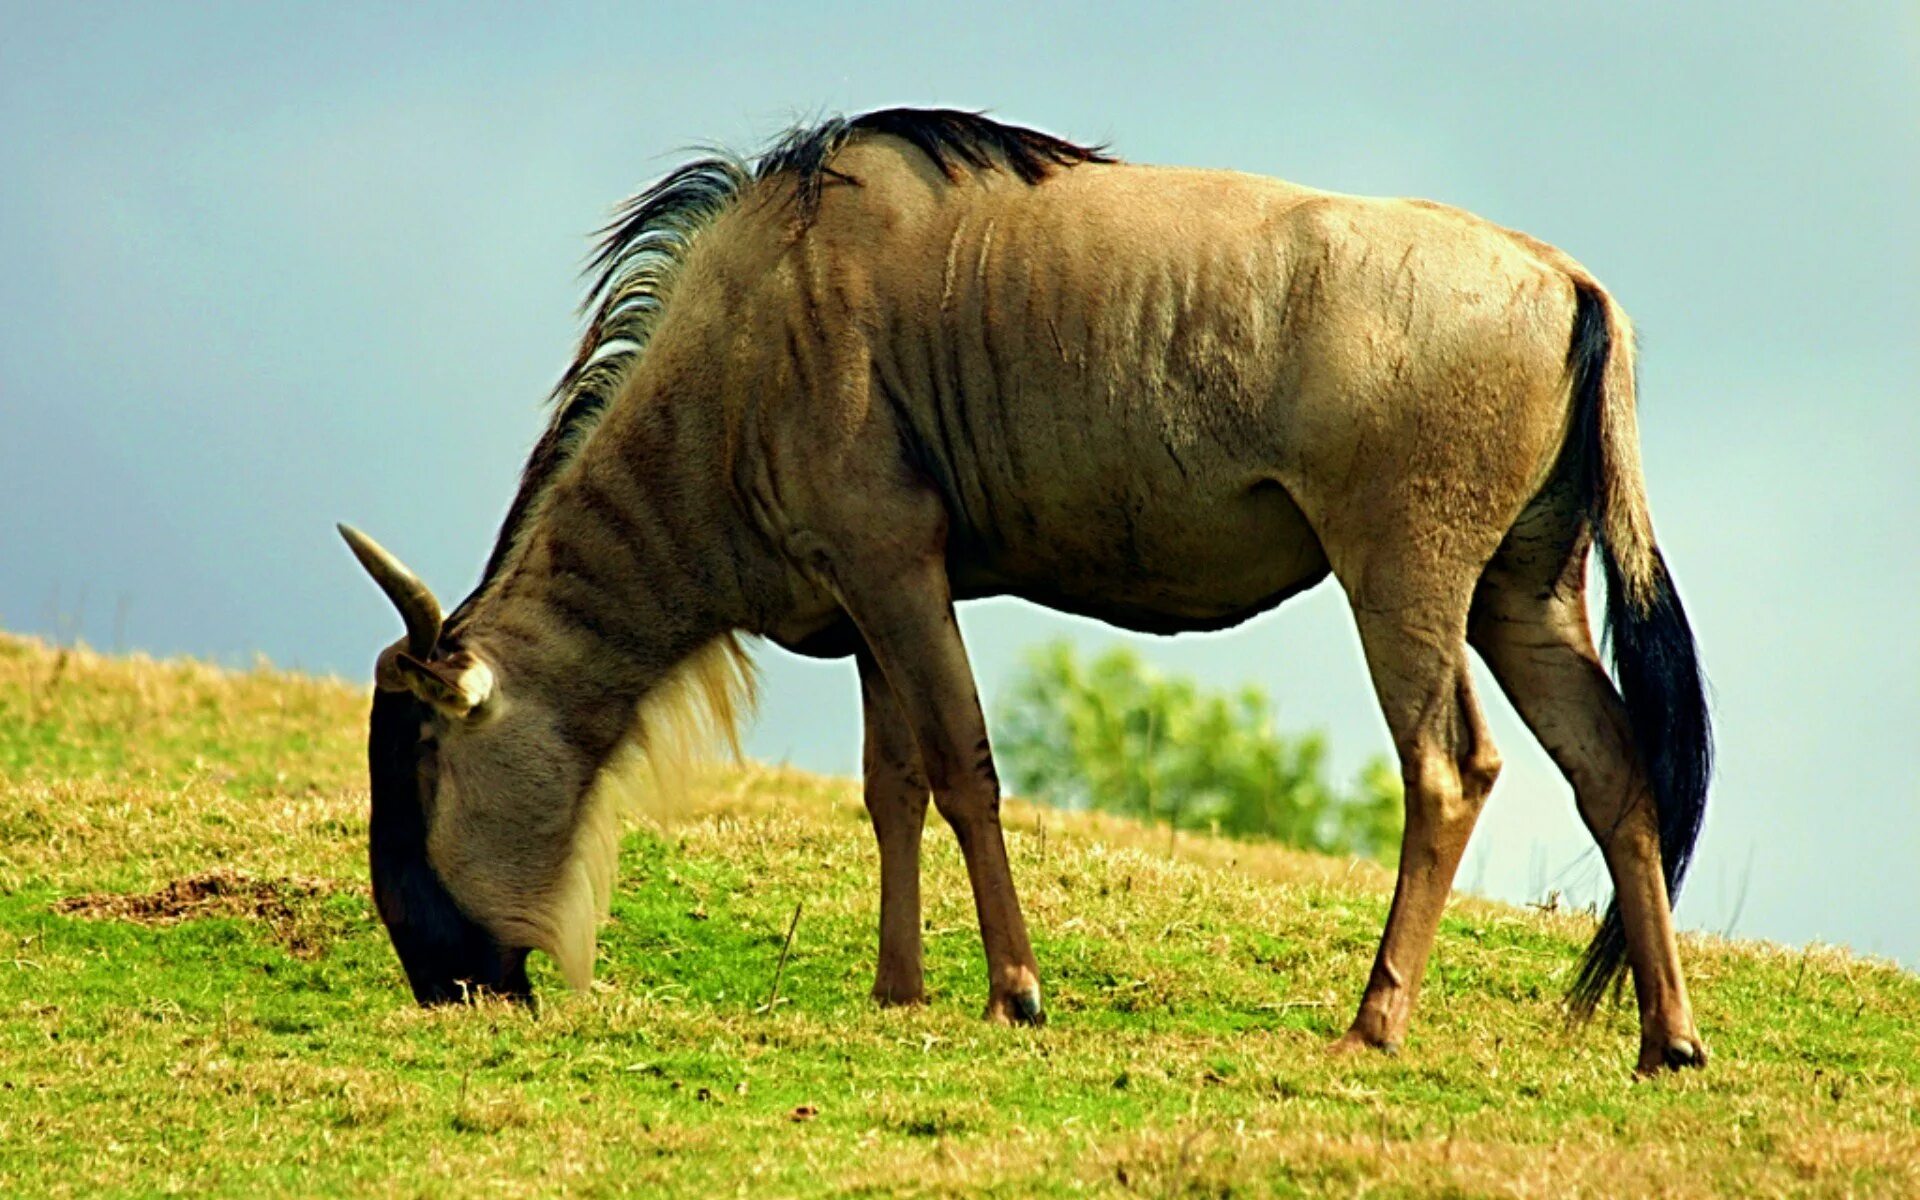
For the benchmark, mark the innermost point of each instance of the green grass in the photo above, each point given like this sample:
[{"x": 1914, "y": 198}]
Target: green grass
[{"x": 262, "y": 1041}]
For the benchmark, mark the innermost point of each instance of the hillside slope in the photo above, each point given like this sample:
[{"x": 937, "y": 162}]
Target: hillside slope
[{"x": 197, "y": 997}]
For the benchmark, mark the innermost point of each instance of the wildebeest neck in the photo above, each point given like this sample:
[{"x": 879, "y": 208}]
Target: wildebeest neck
[{"x": 628, "y": 569}]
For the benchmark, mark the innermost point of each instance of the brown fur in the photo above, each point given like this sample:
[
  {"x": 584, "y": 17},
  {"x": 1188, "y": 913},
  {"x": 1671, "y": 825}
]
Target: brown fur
[{"x": 1164, "y": 398}]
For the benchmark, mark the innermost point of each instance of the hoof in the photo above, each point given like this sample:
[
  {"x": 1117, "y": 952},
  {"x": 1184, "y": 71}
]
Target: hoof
[
  {"x": 898, "y": 997},
  {"x": 1674, "y": 1054},
  {"x": 1020, "y": 1008},
  {"x": 1351, "y": 1043}
]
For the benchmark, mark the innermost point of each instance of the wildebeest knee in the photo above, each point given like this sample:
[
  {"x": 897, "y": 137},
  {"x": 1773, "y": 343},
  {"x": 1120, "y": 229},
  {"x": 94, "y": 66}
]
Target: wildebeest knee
[
  {"x": 968, "y": 804},
  {"x": 1479, "y": 771},
  {"x": 1434, "y": 782},
  {"x": 959, "y": 778},
  {"x": 888, "y": 784}
]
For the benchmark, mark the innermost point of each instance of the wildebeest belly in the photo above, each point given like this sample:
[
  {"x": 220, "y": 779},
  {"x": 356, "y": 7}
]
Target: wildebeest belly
[{"x": 1158, "y": 561}]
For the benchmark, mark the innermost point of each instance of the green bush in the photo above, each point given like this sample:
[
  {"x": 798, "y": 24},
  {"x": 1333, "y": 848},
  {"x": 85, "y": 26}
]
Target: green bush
[{"x": 1116, "y": 736}]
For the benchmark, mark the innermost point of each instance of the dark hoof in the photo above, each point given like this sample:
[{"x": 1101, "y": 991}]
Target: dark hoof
[
  {"x": 898, "y": 998},
  {"x": 1686, "y": 1052},
  {"x": 1020, "y": 1008},
  {"x": 1353, "y": 1042},
  {"x": 1027, "y": 1010},
  {"x": 1677, "y": 1054}
]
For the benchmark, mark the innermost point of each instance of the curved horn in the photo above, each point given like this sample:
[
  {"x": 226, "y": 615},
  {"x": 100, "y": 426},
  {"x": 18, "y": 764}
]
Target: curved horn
[{"x": 415, "y": 601}]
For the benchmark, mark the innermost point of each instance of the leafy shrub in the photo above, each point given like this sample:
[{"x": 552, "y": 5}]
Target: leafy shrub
[{"x": 1116, "y": 736}]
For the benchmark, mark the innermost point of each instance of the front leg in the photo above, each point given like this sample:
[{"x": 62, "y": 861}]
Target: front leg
[
  {"x": 896, "y": 794},
  {"x": 905, "y": 612}
]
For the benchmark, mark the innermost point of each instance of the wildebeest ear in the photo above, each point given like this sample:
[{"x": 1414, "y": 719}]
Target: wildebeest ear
[{"x": 456, "y": 685}]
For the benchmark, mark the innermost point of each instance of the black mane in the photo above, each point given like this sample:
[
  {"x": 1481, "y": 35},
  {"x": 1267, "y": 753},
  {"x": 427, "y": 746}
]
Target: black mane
[
  {"x": 638, "y": 253},
  {"x": 950, "y": 138}
]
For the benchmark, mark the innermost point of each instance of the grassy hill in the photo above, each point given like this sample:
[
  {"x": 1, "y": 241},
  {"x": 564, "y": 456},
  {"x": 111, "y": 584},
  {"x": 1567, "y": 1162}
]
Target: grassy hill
[{"x": 195, "y": 997}]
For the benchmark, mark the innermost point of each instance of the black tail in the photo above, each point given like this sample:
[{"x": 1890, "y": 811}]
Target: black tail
[{"x": 1654, "y": 658}]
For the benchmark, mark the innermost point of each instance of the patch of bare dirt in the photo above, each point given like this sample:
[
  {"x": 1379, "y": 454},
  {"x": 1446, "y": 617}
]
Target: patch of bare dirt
[{"x": 287, "y": 906}]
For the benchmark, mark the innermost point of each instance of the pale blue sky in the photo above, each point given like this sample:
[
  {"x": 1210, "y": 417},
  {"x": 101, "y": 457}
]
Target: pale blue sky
[{"x": 267, "y": 267}]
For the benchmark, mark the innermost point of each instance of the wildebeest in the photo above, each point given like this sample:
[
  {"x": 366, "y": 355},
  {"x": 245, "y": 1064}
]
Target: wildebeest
[{"x": 919, "y": 356}]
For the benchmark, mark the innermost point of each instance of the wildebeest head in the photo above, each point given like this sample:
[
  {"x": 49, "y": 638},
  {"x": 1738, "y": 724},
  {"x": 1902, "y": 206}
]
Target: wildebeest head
[{"x": 436, "y": 709}]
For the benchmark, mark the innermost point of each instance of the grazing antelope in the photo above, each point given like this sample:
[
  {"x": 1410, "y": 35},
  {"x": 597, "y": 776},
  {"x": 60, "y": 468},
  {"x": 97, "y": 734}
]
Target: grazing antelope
[{"x": 921, "y": 356}]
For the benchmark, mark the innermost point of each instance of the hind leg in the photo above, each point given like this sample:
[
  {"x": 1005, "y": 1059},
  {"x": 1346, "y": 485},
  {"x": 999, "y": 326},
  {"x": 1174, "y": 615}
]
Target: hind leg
[
  {"x": 1416, "y": 654},
  {"x": 1534, "y": 635}
]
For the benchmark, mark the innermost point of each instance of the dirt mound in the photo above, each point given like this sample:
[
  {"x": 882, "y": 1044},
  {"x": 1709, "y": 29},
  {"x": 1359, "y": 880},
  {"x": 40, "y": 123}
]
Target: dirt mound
[{"x": 288, "y": 906}]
